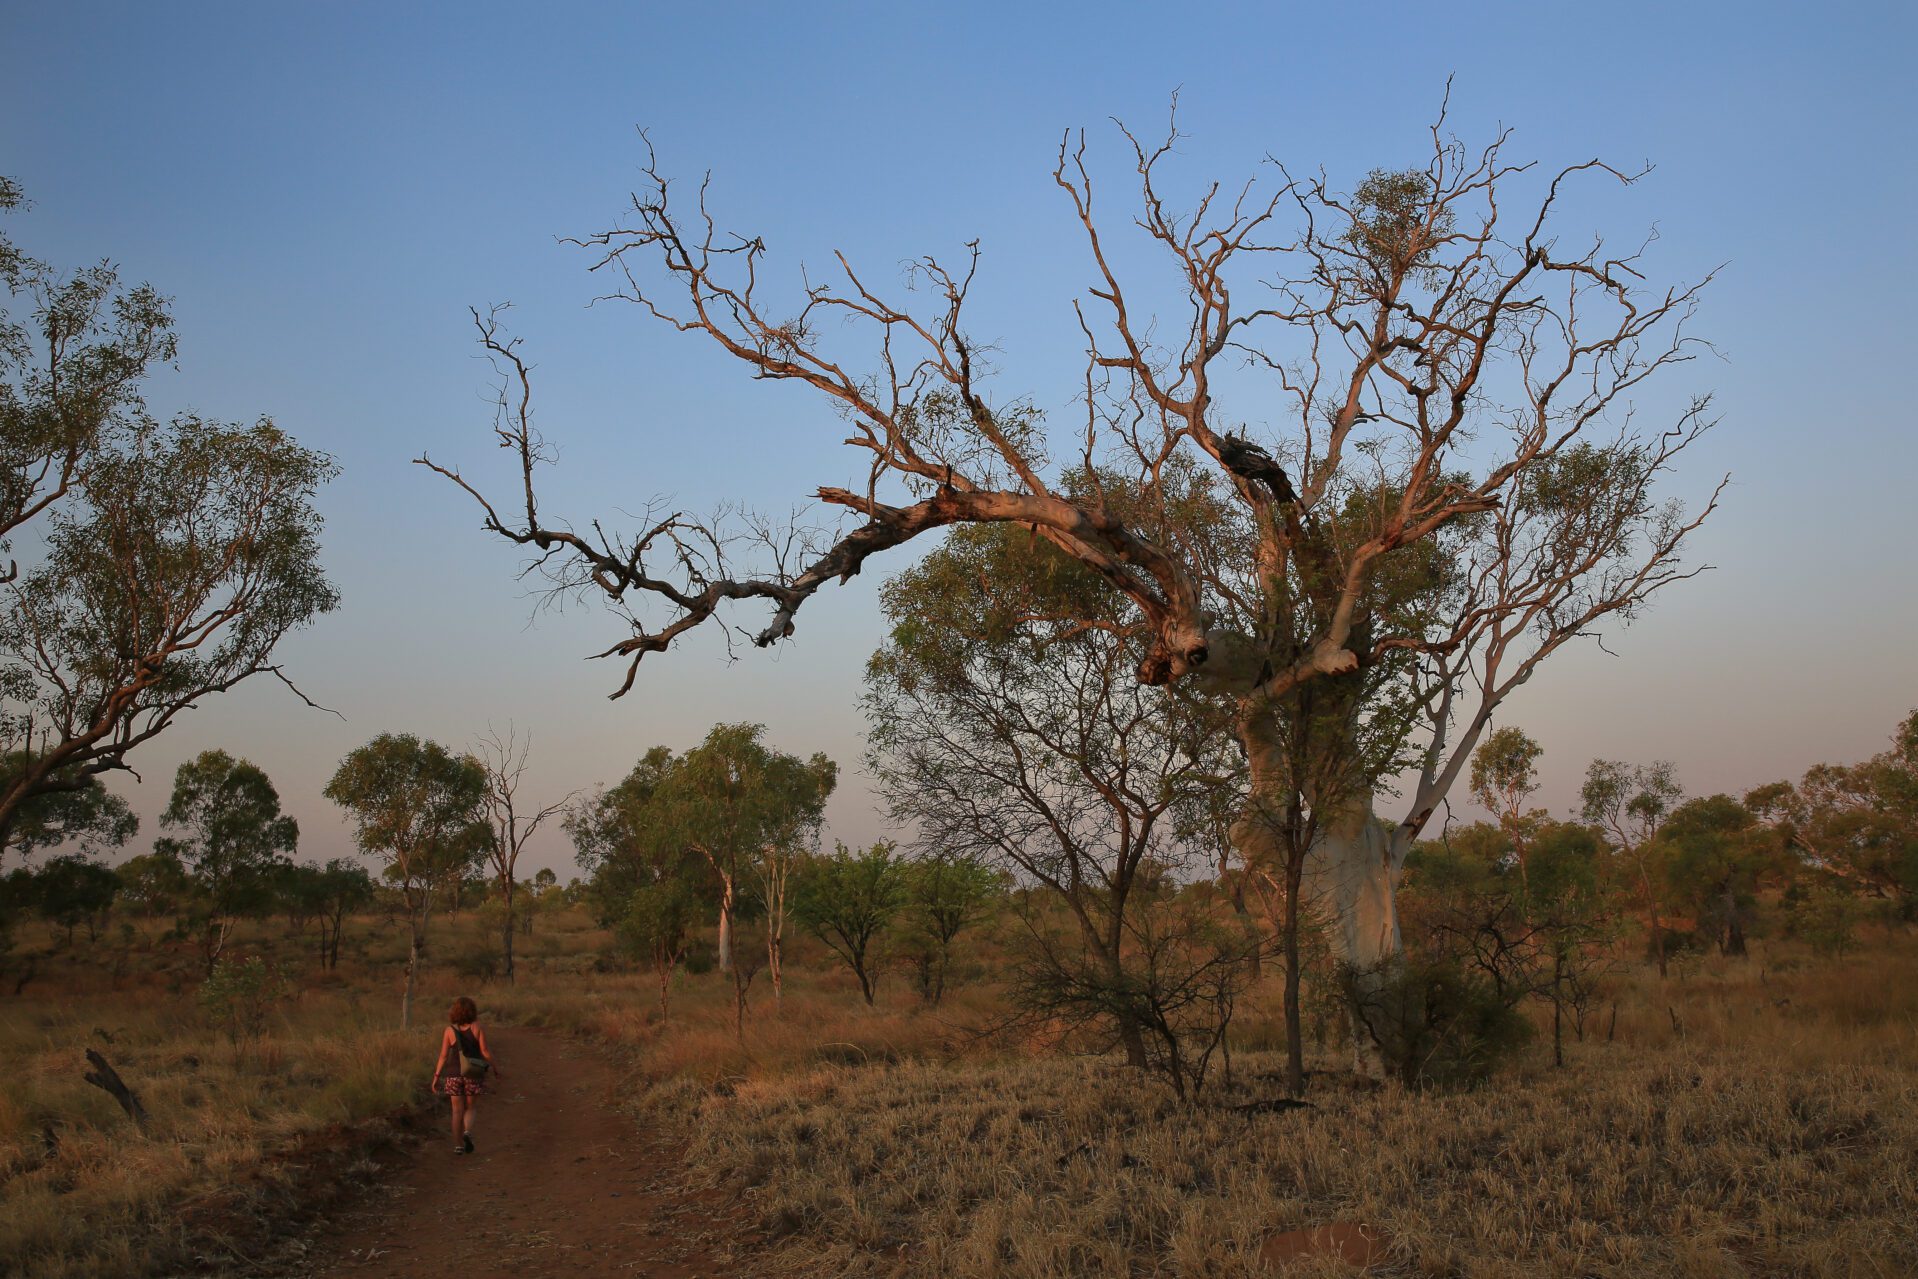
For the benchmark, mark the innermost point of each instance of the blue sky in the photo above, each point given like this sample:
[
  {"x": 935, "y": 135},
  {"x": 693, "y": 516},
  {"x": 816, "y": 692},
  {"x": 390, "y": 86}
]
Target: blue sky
[{"x": 325, "y": 189}]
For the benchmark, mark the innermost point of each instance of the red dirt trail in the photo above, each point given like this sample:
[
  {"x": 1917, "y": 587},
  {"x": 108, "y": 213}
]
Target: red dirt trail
[{"x": 562, "y": 1183}]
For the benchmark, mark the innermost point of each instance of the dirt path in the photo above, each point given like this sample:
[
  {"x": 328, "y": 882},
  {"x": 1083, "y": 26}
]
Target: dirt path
[{"x": 561, "y": 1184}]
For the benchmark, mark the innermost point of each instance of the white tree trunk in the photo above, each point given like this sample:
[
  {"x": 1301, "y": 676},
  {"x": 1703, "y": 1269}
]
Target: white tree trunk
[
  {"x": 1350, "y": 879},
  {"x": 726, "y": 926}
]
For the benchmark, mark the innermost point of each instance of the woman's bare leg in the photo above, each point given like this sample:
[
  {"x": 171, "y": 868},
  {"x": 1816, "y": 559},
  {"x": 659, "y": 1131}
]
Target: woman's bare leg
[
  {"x": 459, "y": 1118},
  {"x": 472, "y": 1110}
]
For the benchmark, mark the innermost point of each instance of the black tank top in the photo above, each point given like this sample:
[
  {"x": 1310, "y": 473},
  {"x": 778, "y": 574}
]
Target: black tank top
[{"x": 468, "y": 1042}]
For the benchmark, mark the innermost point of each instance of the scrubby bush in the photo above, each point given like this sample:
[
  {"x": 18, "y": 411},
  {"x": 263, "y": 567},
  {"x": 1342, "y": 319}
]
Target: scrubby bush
[
  {"x": 241, "y": 995},
  {"x": 1436, "y": 1023}
]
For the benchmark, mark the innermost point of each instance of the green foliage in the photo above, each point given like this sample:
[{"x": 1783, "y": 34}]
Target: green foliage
[
  {"x": 1827, "y": 918},
  {"x": 613, "y": 839},
  {"x": 1505, "y": 771},
  {"x": 1398, "y": 221},
  {"x": 235, "y": 833},
  {"x": 659, "y": 920},
  {"x": 181, "y": 557},
  {"x": 848, "y": 899},
  {"x": 68, "y": 891},
  {"x": 154, "y": 883},
  {"x": 944, "y": 895},
  {"x": 234, "y": 844},
  {"x": 413, "y": 803},
  {"x": 73, "y": 808},
  {"x": 1716, "y": 855},
  {"x": 327, "y": 893},
  {"x": 240, "y": 995},
  {"x": 1855, "y": 822},
  {"x": 1437, "y": 1023},
  {"x": 658, "y": 923},
  {"x": 1468, "y": 912}
]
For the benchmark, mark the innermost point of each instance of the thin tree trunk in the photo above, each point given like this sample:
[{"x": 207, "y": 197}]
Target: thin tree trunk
[
  {"x": 1658, "y": 923},
  {"x": 725, "y": 923},
  {"x": 739, "y": 1005},
  {"x": 1558, "y": 1007},
  {"x": 507, "y": 936},
  {"x": 412, "y": 968},
  {"x": 772, "y": 960}
]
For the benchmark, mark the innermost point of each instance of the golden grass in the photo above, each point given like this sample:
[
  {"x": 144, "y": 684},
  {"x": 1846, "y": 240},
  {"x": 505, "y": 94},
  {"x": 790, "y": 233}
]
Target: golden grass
[
  {"x": 83, "y": 1192},
  {"x": 1746, "y": 1118},
  {"x": 1768, "y": 1131}
]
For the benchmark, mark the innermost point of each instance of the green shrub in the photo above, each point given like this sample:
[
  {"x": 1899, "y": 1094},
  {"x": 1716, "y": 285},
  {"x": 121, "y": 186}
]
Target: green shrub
[
  {"x": 241, "y": 994},
  {"x": 1435, "y": 1024}
]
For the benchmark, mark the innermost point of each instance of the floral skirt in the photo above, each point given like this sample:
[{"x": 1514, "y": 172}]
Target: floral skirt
[{"x": 460, "y": 1086}]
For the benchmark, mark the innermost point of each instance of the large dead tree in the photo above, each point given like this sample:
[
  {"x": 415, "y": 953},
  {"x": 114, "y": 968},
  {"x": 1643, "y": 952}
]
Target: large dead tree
[{"x": 1431, "y": 433}]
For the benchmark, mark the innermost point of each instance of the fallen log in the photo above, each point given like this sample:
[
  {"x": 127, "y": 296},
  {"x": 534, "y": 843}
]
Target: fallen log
[{"x": 104, "y": 1077}]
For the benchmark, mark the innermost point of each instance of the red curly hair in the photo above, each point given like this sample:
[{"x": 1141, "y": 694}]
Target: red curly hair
[{"x": 463, "y": 1012}]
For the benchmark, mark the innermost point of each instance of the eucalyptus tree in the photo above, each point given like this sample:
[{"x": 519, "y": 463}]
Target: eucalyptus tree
[
  {"x": 1630, "y": 803},
  {"x": 1717, "y": 856},
  {"x": 848, "y": 899},
  {"x": 170, "y": 559},
  {"x": 234, "y": 839},
  {"x": 1504, "y": 777},
  {"x": 946, "y": 894},
  {"x": 416, "y": 805},
  {"x": 1006, "y": 728},
  {"x": 1413, "y": 376},
  {"x": 1856, "y": 822},
  {"x": 743, "y": 808}
]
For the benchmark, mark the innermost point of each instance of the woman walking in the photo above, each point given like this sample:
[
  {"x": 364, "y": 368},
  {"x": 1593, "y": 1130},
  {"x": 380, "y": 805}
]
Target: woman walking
[{"x": 465, "y": 1044}]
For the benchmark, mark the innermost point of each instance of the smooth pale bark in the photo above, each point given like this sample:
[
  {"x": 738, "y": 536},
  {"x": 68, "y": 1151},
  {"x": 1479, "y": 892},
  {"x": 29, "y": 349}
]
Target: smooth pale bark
[
  {"x": 1350, "y": 876},
  {"x": 725, "y": 923}
]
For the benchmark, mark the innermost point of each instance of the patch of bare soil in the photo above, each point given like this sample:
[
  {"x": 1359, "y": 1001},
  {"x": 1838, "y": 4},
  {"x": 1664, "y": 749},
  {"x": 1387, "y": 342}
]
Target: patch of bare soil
[{"x": 562, "y": 1182}]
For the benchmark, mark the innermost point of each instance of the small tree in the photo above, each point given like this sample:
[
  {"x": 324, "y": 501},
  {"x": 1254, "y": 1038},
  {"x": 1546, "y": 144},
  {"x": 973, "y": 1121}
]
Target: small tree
[
  {"x": 658, "y": 923},
  {"x": 542, "y": 882},
  {"x": 1504, "y": 776},
  {"x": 1855, "y": 822},
  {"x": 1630, "y": 805},
  {"x": 235, "y": 840},
  {"x": 1565, "y": 898},
  {"x": 154, "y": 883},
  {"x": 1718, "y": 854},
  {"x": 240, "y": 995},
  {"x": 848, "y": 899},
  {"x": 945, "y": 894},
  {"x": 416, "y": 805},
  {"x": 71, "y": 890},
  {"x": 339, "y": 888},
  {"x": 732, "y": 801}
]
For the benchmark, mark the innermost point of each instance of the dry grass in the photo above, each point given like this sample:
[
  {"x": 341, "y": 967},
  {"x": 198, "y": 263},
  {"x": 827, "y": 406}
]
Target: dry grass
[
  {"x": 1768, "y": 1131},
  {"x": 1750, "y": 1118},
  {"x": 83, "y": 1192}
]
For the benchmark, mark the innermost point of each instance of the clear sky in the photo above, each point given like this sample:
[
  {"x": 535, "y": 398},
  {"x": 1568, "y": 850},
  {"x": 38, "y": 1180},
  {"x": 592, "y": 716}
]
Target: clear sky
[{"x": 325, "y": 188}]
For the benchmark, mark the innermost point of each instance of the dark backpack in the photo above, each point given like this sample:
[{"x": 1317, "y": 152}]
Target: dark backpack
[{"x": 472, "y": 1064}]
